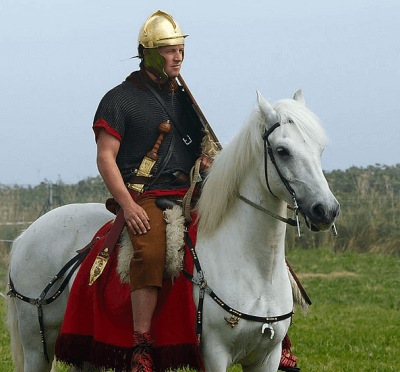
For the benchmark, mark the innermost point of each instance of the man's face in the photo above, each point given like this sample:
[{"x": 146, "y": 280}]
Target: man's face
[{"x": 173, "y": 55}]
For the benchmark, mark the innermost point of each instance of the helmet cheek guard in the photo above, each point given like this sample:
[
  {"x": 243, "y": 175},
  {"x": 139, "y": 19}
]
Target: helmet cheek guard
[
  {"x": 160, "y": 29},
  {"x": 155, "y": 63}
]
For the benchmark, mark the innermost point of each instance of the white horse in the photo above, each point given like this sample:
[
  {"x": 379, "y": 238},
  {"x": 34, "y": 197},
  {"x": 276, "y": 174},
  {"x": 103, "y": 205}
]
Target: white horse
[{"x": 240, "y": 247}]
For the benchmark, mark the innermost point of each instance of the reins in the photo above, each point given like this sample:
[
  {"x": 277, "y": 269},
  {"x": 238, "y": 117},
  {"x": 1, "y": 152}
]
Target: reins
[{"x": 289, "y": 221}]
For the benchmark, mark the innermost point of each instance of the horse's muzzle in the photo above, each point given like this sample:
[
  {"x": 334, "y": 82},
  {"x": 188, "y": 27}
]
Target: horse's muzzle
[{"x": 320, "y": 217}]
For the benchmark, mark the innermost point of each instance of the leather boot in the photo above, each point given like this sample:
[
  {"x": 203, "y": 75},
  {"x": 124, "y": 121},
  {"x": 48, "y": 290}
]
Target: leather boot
[
  {"x": 288, "y": 360},
  {"x": 141, "y": 358}
]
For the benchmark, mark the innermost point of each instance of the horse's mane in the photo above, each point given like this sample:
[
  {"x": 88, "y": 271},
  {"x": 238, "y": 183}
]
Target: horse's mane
[{"x": 228, "y": 169}]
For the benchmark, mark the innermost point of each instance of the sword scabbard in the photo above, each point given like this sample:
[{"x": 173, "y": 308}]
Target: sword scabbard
[
  {"x": 151, "y": 157},
  {"x": 98, "y": 268}
]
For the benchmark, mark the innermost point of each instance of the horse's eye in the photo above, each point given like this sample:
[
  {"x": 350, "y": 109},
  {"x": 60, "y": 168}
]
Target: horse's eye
[{"x": 281, "y": 151}]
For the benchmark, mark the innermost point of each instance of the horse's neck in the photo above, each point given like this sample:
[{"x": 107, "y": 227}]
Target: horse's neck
[{"x": 248, "y": 233}]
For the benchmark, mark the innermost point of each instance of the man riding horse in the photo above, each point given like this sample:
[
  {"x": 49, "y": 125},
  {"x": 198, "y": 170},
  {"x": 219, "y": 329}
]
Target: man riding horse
[
  {"x": 126, "y": 126},
  {"x": 147, "y": 110}
]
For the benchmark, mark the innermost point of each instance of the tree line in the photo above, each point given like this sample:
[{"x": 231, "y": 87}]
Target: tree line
[
  {"x": 369, "y": 199},
  {"x": 370, "y": 212}
]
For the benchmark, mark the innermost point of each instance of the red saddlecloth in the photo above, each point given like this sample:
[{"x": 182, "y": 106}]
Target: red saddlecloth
[{"x": 98, "y": 325}]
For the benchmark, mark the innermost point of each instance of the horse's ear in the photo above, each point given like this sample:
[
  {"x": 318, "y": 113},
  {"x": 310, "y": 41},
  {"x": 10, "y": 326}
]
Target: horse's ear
[
  {"x": 298, "y": 96},
  {"x": 266, "y": 109}
]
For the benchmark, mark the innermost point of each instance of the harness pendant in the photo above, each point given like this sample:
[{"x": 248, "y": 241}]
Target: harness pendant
[{"x": 232, "y": 321}]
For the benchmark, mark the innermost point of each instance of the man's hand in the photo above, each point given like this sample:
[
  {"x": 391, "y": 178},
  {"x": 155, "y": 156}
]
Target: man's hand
[
  {"x": 205, "y": 162},
  {"x": 107, "y": 149},
  {"x": 136, "y": 219}
]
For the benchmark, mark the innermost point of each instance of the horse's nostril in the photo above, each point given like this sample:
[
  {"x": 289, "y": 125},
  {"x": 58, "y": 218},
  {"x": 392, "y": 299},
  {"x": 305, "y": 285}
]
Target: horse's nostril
[
  {"x": 335, "y": 213},
  {"x": 318, "y": 211}
]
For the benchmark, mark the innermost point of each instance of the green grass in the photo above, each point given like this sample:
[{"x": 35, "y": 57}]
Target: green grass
[
  {"x": 6, "y": 363},
  {"x": 353, "y": 324}
]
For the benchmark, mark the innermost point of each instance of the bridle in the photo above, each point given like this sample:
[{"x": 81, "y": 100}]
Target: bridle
[{"x": 269, "y": 153}]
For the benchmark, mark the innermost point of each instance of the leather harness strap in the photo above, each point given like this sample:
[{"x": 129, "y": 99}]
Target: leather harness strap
[
  {"x": 268, "y": 151},
  {"x": 41, "y": 300},
  {"x": 179, "y": 127},
  {"x": 204, "y": 288}
]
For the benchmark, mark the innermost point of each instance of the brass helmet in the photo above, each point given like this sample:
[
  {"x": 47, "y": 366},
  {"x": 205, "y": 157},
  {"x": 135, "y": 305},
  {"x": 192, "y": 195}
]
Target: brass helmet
[{"x": 160, "y": 29}]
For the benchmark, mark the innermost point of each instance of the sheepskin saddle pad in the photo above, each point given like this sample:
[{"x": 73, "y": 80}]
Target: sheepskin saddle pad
[{"x": 175, "y": 241}]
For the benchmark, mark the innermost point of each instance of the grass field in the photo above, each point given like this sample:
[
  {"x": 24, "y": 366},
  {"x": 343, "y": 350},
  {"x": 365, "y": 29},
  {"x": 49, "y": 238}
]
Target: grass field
[{"x": 353, "y": 324}]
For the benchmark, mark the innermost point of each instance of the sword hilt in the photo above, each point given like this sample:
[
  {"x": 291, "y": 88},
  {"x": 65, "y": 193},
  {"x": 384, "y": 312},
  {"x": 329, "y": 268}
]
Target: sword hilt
[
  {"x": 151, "y": 158},
  {"x": 164, "y": 128}
]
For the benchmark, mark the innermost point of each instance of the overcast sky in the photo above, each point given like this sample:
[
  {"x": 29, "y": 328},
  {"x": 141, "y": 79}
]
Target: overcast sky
[{"x": 58, "y": 58}]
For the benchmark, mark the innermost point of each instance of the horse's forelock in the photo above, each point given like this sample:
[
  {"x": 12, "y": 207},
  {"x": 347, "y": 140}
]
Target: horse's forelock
[{"x": 304, "y": 118}]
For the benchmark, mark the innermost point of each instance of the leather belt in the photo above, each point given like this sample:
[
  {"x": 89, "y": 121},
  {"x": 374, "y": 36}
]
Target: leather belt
[{"x": 176, "y": 178}]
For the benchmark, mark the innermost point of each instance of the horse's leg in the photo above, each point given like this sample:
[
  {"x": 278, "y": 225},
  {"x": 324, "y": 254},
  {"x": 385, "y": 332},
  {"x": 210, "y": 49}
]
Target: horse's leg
[
  {"x": 268, "y": 364},
  {"x": 214, "y": 351},
  {"x": 34, "y": 359},
  {"x": 29, "y": 333},
  {"x": 215, "y": 364},
  {"x": 272, "y": 364}
]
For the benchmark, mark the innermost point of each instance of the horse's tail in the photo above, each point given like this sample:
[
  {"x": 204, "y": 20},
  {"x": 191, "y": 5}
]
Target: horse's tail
[
  {"x": 16, "y": 345},
  {"x": 13, "y": 325},
  {"x": 298, "y": 298}
]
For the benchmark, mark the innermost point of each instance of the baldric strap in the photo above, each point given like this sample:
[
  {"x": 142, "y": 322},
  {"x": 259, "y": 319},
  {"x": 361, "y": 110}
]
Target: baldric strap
[{"x": 183, "y": 132}]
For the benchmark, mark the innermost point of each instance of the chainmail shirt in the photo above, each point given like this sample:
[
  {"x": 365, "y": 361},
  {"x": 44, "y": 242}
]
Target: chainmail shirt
[{"x": 134, "y": 113}]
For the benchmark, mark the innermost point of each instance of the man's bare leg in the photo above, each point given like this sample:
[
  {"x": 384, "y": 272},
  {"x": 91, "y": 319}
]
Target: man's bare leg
[{"x": 144, "y": 301}]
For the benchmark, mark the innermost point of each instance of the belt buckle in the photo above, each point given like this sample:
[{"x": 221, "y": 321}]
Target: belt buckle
[
  {"x": 135, "y": 187},
  {"x": 187, "y": 141},
  {"x": 179, "y": 178}
]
